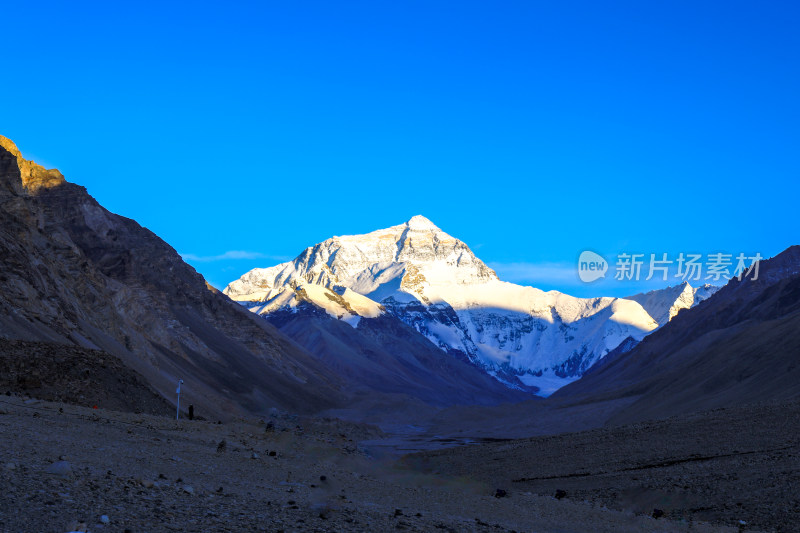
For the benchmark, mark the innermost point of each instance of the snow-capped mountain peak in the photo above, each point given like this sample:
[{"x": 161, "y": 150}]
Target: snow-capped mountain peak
[
  {"x": 420, "y": 223},
  {"x": 434, "y": 283},
  {"x": 412, "y": 254},
  {"x": 664, "y": 304}
]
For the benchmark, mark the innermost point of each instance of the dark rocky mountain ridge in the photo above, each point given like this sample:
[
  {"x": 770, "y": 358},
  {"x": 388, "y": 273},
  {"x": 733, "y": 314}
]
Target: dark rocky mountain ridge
[
  {"x": 384, "y": 353},
  {"x": 74, "y": 273}
]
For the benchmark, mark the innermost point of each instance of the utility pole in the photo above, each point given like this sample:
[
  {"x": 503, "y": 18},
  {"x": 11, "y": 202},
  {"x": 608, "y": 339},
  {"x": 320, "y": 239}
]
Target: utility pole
[{"x": 178, "y": 411}]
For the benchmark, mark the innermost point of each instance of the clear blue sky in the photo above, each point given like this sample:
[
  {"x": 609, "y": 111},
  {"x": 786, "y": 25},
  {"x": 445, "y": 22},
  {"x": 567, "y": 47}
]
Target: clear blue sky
[{"x": 530, "y": 130}]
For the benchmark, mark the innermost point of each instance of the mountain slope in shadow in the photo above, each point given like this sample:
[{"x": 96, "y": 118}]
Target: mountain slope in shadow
[
  {"x": 384, "y": 353},
  {"x": 73, "y": 273},
  {"x": 741, "y": 345}
]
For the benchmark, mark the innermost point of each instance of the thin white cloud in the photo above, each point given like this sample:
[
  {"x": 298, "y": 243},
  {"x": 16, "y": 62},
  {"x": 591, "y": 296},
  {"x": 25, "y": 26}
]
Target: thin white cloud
[
  {"x": 232, "y": 255},
  {"x": 545, "y": 273}
]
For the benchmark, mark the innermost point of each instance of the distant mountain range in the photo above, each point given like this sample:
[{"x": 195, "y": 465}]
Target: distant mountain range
[
  {"x": 406, "y": 317},
  {"x": 524, "y": 337}
]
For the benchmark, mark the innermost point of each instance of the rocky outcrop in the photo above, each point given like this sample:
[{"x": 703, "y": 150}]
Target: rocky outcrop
[
  {"x": 32, "y": 177},
  {"x": 75, "y": 375}
]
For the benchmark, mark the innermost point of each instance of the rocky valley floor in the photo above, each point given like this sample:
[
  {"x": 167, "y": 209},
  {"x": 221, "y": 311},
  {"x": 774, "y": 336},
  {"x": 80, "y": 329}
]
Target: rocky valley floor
[
  {"x": 735, "y": 466},
  {"x": 67, "y": 468}
]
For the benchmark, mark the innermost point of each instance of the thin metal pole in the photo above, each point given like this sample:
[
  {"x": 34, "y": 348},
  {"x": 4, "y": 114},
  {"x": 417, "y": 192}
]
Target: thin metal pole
[{"x": 178, "y": 410}]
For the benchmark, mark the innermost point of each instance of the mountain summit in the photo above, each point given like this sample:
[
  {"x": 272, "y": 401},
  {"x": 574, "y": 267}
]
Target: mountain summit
[
  {"x": 434, "y": 283},
  {"x": 419, "y": 222},
  {"x": 375, "y": 264}
]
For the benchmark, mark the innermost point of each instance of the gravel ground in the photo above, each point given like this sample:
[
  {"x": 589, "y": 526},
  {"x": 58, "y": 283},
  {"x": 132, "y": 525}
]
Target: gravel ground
[
  {"x": 722, "y": 466},
  {"x": 68, "y": 468}
]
